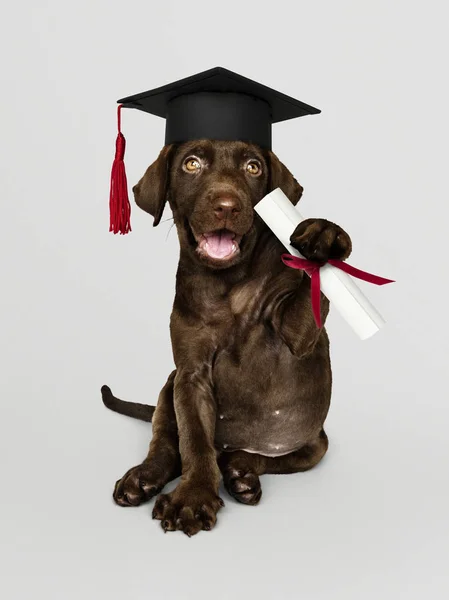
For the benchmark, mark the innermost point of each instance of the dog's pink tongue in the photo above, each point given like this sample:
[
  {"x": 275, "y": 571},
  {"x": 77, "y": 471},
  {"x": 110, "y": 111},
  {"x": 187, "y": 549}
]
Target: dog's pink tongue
[{"x": 219, "y": 244}]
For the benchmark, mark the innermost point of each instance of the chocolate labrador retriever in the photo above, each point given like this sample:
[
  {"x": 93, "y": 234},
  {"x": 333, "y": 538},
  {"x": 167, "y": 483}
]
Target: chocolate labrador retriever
[{"x": 252, "y": 383}]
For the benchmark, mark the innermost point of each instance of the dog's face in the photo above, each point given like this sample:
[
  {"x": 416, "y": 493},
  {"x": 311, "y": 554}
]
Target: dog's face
[{"x": 212, "y": 187}]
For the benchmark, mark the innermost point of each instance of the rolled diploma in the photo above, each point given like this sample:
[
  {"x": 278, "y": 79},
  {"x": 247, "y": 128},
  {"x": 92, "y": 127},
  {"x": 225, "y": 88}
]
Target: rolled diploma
[{"x": 282, "y": 217}]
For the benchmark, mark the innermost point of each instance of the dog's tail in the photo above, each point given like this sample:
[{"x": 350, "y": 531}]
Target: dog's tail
[{"x": 144, "y": 412}]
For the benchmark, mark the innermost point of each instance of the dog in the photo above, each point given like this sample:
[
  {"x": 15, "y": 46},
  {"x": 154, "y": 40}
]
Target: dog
[{"x": 252, "y": 384}]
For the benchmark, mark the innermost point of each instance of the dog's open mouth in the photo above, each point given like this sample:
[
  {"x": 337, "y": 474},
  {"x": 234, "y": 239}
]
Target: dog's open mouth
[{"x": 221, "y": 244}]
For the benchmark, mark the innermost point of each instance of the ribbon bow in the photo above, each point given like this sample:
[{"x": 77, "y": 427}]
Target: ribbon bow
[{"x": 313, "y": 270}]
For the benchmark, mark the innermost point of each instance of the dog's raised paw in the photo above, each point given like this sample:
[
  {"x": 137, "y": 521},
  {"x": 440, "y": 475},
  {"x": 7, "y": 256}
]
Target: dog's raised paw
[
  {"x": 242, "y": 485},
  {"x": 319, "y": 240}
]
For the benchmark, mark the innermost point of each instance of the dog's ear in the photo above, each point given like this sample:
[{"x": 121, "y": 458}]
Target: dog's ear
[
  {"x": 151, "y": 192},
  {"x": 280, "y": 177}
]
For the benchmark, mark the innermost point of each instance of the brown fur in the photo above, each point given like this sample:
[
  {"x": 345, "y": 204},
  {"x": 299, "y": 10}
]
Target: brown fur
[{"x": 252, "y": 369}]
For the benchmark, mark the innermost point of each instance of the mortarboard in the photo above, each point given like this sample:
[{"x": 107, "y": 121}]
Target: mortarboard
[{"x": 215, "y": 104}]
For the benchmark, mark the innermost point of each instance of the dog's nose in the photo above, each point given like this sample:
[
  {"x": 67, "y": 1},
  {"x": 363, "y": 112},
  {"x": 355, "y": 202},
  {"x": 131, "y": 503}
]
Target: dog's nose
[{"x": 226, "y": 207}]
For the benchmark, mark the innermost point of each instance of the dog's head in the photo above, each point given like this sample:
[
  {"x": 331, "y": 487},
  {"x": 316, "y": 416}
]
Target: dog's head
[{"x": 212, "y": 188}]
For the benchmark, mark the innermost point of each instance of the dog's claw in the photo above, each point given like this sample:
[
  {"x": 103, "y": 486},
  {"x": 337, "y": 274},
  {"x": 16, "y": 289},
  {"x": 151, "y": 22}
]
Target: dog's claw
[
  {"x": 138, "y": 485},
  {"x": 185, "y": 510}
]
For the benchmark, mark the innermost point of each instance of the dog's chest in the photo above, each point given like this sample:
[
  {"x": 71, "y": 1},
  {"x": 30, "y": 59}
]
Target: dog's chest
[
  {"x": 245, "y": 300},
  {"x": 256, "y": 382}
]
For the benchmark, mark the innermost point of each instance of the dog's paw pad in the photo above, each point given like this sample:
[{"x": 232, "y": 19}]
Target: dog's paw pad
[
  {"x": 244, "y": 487},
  {"x": 138, "y": 485}
]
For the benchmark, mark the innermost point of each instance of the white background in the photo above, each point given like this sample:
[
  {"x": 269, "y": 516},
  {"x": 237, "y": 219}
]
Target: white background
[{"x": 81, "y": 307}]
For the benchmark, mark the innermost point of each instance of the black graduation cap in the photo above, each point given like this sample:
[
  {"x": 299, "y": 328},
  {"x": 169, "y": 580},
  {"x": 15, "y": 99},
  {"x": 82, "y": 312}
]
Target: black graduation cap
[
  {"x": 218, "y": 104},
  {"x": 215, "y": 104}
]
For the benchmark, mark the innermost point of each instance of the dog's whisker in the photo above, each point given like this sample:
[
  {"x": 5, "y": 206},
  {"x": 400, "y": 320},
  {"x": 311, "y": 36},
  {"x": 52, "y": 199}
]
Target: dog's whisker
[{"x": 169, "y": 231}]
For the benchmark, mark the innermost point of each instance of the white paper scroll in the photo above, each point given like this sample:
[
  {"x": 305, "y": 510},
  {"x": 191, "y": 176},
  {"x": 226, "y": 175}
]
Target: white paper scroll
[{"x": 282, "y": 218}]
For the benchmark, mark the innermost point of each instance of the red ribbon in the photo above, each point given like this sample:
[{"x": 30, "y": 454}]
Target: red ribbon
[{"x": 313, "y": 270}]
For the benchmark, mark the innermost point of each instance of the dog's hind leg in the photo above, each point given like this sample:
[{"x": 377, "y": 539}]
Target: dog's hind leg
[
  {"x": 163, "y": 462},
  {"x": 241, "y": 469},
  {"x": 301, "y": 460}
]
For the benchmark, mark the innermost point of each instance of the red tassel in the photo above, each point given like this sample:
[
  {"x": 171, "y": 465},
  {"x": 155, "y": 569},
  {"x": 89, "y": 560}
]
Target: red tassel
[{"x": 119, "y": 206}]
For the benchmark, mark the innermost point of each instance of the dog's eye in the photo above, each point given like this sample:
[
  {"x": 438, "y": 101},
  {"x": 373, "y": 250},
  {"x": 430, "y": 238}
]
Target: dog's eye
[
  {"x": 253, "y": 167},
  {"x": 192, "y": 164}
]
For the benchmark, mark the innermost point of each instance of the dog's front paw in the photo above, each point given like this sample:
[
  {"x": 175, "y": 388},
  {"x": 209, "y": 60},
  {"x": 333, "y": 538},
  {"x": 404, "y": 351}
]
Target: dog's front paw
[
  {"x": 138, "y": 485},
  {"x": 187, "y": 508},
  {"x": 319, "y": 240}
]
